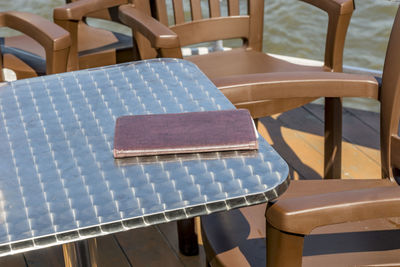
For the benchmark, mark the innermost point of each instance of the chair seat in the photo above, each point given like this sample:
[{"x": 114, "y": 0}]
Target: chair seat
[
  {"x": 23, "y": 55},
  {"x": 237, "y": 237},
  {"x": 241, "y": 61},
  {"x": 98, "y": 47}
]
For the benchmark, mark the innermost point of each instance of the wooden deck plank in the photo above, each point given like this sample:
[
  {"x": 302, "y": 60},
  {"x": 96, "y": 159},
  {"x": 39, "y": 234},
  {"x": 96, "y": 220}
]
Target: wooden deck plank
[
  {"x": 300, "y": 143},
  {"x": 297, "y": 136},
  {"x": 370, "y": 118},
  {"x": 147, "y": 247},
  {"x": 47, "y": 257},
  {"x": 308, "y": 118},
  {"x": 13, "y": 261},
  {"x": 364, "y": 138},
  {"x": 359, "y": 127},
  {"x": 108, "y": 252},
  {"x": 356, "y": 164},
  {"x": 306, "y": 165},
  {"x": 366, "y": 109},
  {"x": 169, "y": 231},
  {"x": 361, "y": 130}
]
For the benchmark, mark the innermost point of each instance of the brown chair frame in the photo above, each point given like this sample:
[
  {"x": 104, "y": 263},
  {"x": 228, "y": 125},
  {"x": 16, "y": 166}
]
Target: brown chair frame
[
  {"x": 289, "y": 220},
  {"x": 154, "y": 37},
  {"x": 311, "y": 204},
  {"x": 166, "y": 41},
  {"x": 55, "y": 40},
  {"x": 72, "y": 16}
]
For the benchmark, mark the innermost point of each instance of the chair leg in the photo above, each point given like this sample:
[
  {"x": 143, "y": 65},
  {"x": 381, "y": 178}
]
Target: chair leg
[
  {"x": 333, "y": 138},
  {"x": 283, "y": 249},
  {"x": 188, "y": 245}
]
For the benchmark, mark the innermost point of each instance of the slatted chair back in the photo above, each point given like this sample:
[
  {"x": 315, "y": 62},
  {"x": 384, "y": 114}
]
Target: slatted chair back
[
  {"x": 105, "y": 14},
  {"x": 207, "y": 22}
]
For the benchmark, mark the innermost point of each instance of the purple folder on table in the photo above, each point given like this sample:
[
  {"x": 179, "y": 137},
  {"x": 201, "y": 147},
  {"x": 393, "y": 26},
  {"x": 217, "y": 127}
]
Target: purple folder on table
[{"x": 192, "y": 132}]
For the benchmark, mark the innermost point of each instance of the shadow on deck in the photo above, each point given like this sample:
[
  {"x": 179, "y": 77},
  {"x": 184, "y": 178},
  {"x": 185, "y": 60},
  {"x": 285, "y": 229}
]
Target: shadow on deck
[{"x": 297, "y": 135}]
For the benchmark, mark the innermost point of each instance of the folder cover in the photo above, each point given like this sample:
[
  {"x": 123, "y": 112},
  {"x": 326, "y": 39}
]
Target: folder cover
[{"x": 191, "y": 132}]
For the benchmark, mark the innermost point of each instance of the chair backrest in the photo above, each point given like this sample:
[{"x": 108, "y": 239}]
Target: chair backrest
[
  {"x": 106, "y": 14},
  {"x": 213, "y": 26},
  {"x": 390, "y": 103},
  {"x": 208, "y": 23}
]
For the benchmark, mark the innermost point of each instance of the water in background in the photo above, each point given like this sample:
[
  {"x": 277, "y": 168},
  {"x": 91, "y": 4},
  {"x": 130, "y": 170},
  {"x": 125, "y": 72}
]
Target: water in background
[{"x": 294, "y": 28}]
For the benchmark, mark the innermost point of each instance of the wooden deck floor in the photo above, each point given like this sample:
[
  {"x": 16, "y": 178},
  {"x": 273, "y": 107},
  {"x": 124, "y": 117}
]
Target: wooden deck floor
[{"x": 297, "y": 135}]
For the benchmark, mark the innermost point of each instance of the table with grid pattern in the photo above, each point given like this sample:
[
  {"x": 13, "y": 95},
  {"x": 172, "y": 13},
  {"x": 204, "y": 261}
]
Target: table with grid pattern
[{"x": 59, "y": 182}]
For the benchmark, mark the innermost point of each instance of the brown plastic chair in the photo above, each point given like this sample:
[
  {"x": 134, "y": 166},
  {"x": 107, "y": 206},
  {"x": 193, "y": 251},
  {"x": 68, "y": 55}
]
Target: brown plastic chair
[
  {"x": 43, "y": 49},
  {"x": 317, "y": 222},
  {"x": 91, "y": 46},
  {"x": 157, "y": 38}
]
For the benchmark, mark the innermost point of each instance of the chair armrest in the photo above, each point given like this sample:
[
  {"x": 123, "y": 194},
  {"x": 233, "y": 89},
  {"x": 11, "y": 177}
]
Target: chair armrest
[
  {"x": 333, "y": 6},
  {"x": 70, "y": 16},
  {"x": 77, "y": 10},
  {"x": 263, "y": 86},
  {"x": 339, "y": 12},
  {"x": 49, "y": 35},
  {"x": 301, "y": 215},
  {"x": 159, "y": 35},
  {"x": 55, "y": 40}
]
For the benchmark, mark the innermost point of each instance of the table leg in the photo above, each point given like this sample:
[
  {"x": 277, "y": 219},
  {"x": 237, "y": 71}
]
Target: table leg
[
  {"x": 187, "y": 237},
  {"x": 333, "y": 138},
  {"x": 76, "y": 254}
]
